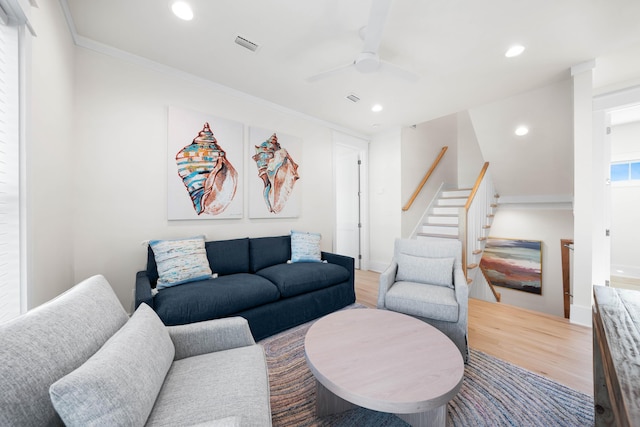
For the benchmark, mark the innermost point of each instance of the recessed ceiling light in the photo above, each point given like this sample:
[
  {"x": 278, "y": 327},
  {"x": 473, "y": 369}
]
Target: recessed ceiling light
[
  {"x": 514, "y": 50},
  {"x": 522, "y": 130},
  {"x": 376, "y": 108},
  {"x": 182, "y": 10}
]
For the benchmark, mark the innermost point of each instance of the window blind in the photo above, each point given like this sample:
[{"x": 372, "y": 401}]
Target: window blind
[{"x": 10, "y": 290}]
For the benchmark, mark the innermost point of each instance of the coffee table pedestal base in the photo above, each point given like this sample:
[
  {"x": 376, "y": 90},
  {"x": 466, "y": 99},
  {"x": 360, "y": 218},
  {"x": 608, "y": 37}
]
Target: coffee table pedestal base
[{"x": 328, "y": 403}]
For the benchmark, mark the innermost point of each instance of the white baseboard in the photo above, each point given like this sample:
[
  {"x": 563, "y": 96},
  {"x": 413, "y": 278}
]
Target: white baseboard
[
  {"x": 581, "y": 315},
  {"x": 378, "y": 266}
]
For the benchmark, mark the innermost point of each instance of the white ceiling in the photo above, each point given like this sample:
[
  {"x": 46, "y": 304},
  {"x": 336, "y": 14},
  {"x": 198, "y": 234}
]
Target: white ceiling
[{"x": 455, "y": 46}]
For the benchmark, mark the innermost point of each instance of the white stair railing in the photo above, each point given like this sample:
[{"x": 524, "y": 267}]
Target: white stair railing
[{"x": 475, "y": 221}]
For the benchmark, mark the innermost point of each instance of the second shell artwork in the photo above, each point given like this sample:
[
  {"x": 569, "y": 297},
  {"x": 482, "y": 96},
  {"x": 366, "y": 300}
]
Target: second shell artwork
[{"x": 206, "y": 162}]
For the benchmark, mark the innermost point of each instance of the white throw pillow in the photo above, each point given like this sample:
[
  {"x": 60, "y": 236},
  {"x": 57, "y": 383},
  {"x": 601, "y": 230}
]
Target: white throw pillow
[
  {"x": 433, "y": 271},
  {"x": 305, "y": 247},
  {"x": 119, "y": 384}
]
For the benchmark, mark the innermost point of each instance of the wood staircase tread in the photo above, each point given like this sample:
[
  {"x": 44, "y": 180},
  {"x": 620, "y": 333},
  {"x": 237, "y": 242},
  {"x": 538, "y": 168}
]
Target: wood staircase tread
[
  {"x": 481, "y": 239},
  {"x": 491, "y": 215},
  {"x": 469, "y": 280},
  {"x": 440, "y": 224},
  {"x": 472, "y": 266},
  {"x": 494, "y": 205},
  {"x": 477, "y": 252}
]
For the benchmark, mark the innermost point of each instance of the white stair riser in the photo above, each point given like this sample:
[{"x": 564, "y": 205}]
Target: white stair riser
[
  {"x": 434, "y": 229},
  {"x": 422, "y": 237},
  {"x": 445, "y": 210},
  {"x": 456, "y": 193},
  {"x": 452, "y": 202},
  {"x": 453, "y": 220}
]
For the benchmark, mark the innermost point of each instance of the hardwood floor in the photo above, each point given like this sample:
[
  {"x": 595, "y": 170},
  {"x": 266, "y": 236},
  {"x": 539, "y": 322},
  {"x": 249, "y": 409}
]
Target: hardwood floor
[{"x": 547, "y": 345}]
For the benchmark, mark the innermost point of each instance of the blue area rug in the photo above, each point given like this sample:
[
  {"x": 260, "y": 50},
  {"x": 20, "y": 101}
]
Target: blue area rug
[{"x": 494, "y": 393}]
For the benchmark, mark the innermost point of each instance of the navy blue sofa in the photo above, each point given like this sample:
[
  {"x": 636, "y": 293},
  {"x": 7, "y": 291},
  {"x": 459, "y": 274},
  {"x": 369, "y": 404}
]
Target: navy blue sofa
[{"x": 256, "y": 282}]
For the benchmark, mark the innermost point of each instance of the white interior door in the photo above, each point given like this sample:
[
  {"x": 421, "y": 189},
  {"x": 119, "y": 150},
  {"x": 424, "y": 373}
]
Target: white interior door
[
  {"x": 348, "y": 202},
  {"x": 351, "y": 198}
]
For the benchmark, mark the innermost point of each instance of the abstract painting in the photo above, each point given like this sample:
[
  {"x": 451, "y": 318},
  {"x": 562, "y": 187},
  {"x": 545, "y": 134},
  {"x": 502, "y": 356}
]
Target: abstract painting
[
  {"x": 514, "y": 264},
  {"x": 274, "y": 189},
  {"x": 205, "y": 164}
]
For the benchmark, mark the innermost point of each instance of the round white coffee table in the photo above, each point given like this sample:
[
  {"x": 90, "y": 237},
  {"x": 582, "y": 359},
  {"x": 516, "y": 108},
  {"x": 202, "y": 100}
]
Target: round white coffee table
[{"x": 385, "y": 361}]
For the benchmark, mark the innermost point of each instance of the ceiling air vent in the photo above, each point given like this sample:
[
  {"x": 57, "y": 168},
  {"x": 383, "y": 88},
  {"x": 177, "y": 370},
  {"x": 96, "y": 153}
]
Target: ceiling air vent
[
  {"x": 353, "y": 98},
  {"x": 246, "y": 43}
]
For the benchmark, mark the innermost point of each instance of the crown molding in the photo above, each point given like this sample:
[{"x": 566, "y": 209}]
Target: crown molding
[{"x": 114, "y": 52}]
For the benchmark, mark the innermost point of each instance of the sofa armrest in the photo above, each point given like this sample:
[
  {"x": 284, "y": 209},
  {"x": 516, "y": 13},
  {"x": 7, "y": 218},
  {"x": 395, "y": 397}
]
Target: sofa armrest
[
  {"x": 342, "y": 260},
  {"x": 209, "y": 336},
  {"x": 387, "y": 279},
  {"x": 462, "y": 293},
  {"x": 143, "y": 290}
]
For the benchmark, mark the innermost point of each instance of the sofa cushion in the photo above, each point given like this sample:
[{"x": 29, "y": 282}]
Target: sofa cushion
[
  {"x": 214, "y": 298},
  {"x": 118, "y": 385},
  {"x": 230, "y": 383},
  {"x": 180, "y": 261},
  {"x": 305, "y": 247},
  {"x": 298, "y": 278},
  {"x": 418, "y": 299},
  {"x": 433, "y": 271},
  {"x": 228, "y": 256},
  {"x": 268, "y": 251},
  {"x": 82, "y": 319}
]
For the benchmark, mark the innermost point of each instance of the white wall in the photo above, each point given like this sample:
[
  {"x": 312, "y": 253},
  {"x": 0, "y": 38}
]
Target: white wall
[
  {"x": 49, "y": 156},
  {"x": 120, "y": 171},
  {"x": 539, "y": 163},
  {"x": 625, "y": 203},
  {"x": 385, "y": 204},
  {"x": 548, "y": 226},
  {"x": 420, "y": 148},
  {"x": 470, "y": 160}
]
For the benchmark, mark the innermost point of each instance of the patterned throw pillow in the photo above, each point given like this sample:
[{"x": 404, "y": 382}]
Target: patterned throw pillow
[
  {"x": 180, "y": 261},
  {"x": 305, "y": 247},
  {"x": 432, "y": 271}
]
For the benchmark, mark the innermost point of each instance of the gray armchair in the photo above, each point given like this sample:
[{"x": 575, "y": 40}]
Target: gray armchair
[{"x": 425, "y": 280}]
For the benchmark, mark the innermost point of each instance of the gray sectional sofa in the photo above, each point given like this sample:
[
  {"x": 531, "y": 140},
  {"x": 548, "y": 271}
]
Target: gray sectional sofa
[
  {"x": 254, "y": 281},
  {"x": 80, "y": 360}
]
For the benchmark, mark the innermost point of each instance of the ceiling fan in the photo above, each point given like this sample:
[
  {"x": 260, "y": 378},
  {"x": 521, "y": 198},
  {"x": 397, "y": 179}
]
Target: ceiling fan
[{"x": 368, "y": 60}]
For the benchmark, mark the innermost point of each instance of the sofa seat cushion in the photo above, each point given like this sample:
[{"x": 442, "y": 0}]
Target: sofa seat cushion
[
  {"x": 213, "y": 298},
  {"x": 422, "y": 300},
  {"x": 219, "y": 385},
  {"x": 299, "y": 278}
]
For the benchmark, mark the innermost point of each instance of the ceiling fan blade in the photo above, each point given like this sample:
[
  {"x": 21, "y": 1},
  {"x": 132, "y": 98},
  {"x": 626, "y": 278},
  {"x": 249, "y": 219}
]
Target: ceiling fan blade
[
  {"x": 387, "y": 67},
  {"x": 328, "y": 73},
  {"x": 375, "y": 26}
]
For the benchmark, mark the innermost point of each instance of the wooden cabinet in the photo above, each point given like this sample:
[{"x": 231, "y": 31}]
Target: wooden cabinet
[{"x": 616, "y": 356}]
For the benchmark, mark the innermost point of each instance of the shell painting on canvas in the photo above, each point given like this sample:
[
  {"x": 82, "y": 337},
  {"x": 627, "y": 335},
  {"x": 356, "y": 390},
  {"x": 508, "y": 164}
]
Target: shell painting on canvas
[
  {"x": 278, "y": 171},
  {"x": 207, "y": 173}
]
